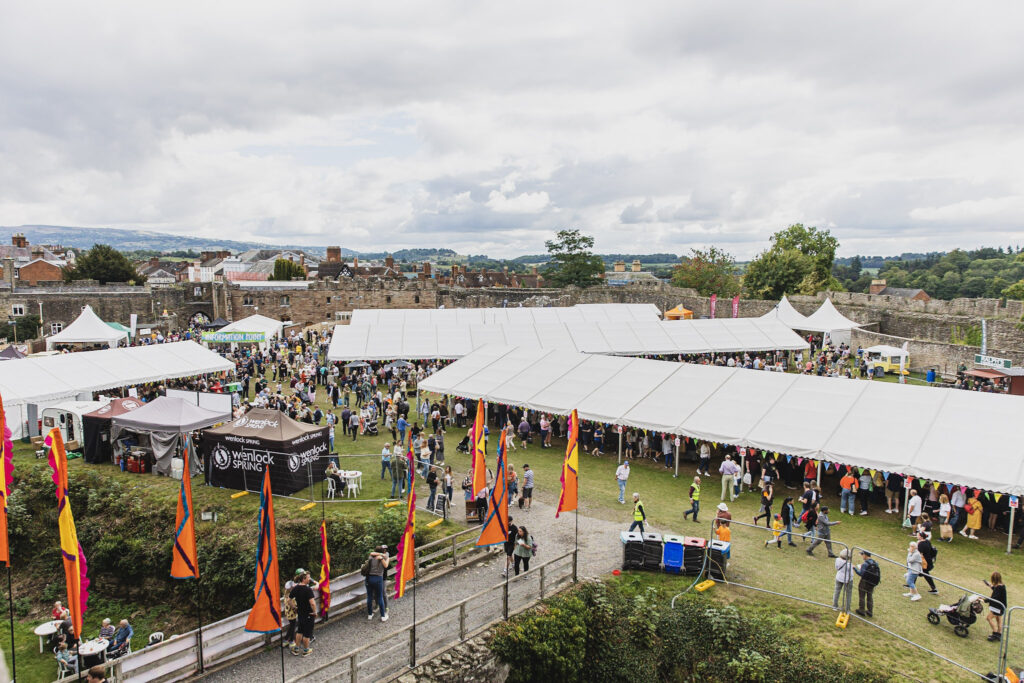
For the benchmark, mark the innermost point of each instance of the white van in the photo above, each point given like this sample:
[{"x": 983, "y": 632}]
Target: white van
[{"x": 68, "y": 416}]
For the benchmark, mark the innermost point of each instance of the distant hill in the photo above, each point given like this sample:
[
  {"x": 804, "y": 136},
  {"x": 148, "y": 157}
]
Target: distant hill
[{"x": 133, "y": 240}]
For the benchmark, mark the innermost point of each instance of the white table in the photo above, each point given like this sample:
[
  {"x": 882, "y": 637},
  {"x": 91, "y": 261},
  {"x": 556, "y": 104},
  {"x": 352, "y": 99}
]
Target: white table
[
  {"x": 353, "y": 481},
  {"x": 46, "y": 630},
  {"x": 93, "y": 647}
]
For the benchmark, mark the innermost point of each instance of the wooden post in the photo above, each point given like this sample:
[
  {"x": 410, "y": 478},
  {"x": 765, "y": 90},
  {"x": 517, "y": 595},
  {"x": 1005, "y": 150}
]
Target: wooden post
[
  {"x": 354, "y": 667},
  {"x": 574, "y": 565},
  {"x": 542, "y": 582},
  {"x": 455, "y": 561},
  {"x": 504, "y": 599},
  {"x": 412, "y": 648},
  {"x": 462, "y": 621}
]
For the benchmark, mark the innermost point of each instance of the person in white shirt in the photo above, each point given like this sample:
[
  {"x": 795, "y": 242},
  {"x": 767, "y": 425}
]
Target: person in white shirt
[
  {"x": 914, "y": 507},
  {"x": 729, "y": 470},
  {"x": 622, "y": 476}
]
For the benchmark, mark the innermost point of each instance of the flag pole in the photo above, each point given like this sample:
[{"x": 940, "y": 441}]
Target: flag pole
[
  {"x": 199, "y": 618},
  {"x": 415, "y": 582},
  {"x": 10, "y": 606},
  {"x": 282, "y": 655}
]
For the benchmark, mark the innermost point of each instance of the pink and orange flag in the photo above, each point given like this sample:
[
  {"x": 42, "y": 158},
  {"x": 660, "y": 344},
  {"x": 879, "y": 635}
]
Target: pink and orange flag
[
  {"x": 479, "y": 444},
  {"x": 325, "y": 571},
  {"x": 76, "y": 577},
  {"x": 405, "y": 570},
  {"x": 265, "y": 616},
  {"x": 495, "y": 529},
  {"x": 6, "y": 477},
  {"x": 570, "y": 468},
  {"x": 184, "y": 558}
]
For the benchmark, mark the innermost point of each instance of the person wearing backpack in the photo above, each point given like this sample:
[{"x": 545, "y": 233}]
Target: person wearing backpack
[
  {"x": 928, "y": 554},
  {"x": 523, "y": 550},
  {"x": 870, "y": 576}
]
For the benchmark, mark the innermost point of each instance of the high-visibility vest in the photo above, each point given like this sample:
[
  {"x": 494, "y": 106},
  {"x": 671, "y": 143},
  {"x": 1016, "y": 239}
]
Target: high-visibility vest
[
  {"x": 637, "y": 514},
  {"x": 696, "y": 492}
]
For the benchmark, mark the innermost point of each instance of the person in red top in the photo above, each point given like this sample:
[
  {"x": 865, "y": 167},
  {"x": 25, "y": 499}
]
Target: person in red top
[
  {"x": 810, "y": 471},
  {"x": 848, "y": 484}
]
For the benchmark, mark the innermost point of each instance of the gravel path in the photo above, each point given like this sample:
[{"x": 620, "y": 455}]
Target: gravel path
[{"x": 599, "y": 554}]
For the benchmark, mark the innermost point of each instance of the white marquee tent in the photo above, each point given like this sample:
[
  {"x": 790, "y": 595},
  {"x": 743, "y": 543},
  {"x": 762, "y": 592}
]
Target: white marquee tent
[
  {"x": 256, "y": 323},
  {"x": 416, "y": 339},
  {"x": 917, "y": 431},
  {"x": 828, "y": 319},
  {"x": 581, "y": 313},
  {"x": 87, "y": 329},
  {"x": 50, "y": 379},
  {"x": 787, "y": 315}
]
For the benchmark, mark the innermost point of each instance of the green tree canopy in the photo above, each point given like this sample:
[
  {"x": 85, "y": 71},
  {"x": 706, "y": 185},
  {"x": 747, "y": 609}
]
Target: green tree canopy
[
  {"x": 712, "y": 271},
  {"x": 25, "y": 327},
  {"x": 105, "y": 264},
  {"x": 799, "y": 261},
  {"x": 572, "y": 262},
  {"x": 286, "y": 270},
  {"x": 1015, "y": 291}
]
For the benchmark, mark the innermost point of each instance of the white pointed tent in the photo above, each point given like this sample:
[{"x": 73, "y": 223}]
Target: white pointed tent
[
  {"x": 828, "y": 319},
  {"x": 87, "y": 329},
  {"x": 256, "y": 323},
  {"x": 787, "y": 315}
]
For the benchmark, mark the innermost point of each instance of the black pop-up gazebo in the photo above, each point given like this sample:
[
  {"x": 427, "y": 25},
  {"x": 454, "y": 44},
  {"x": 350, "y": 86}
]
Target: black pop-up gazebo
[
  {"x": 236, "y": 453},
  {"x": 98, "y": 446}
]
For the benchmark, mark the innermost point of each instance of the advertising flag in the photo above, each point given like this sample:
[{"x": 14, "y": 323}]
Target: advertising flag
[
  {"x": 76, "y": 578},
  {"x": 714, "y": 300},
  {"x": 570, "y": 468},
  {"x": 495, "y": 528},
  {"x": 184, "y": 559},
  {"x": 479, "y": 442},
  {"x": 325, "y": 571},
  {"x": 265, "y": 616},
  {"x": 6, "y": 477},
  {"x": 736, "y": 306},
  {"x": 406, "y": 568}
]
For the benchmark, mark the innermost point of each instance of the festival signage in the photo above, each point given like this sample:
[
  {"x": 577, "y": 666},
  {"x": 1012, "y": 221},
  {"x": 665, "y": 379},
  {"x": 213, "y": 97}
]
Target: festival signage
[
  {"x": 234, "y": 337},
  {"x": 237, "y": 453},
  {"x": 992, "y": 361}
]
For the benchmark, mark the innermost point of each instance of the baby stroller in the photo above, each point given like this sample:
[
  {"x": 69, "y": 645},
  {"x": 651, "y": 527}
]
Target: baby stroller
[
  {"x": 370, "y": 428},
  {"x": 463, "y": 446},
  {"x": 961, "y": 615}
]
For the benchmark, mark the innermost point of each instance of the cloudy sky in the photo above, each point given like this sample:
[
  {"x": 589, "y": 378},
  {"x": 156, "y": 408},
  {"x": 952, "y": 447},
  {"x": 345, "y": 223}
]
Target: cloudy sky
[{"x": 484, "y": 127}]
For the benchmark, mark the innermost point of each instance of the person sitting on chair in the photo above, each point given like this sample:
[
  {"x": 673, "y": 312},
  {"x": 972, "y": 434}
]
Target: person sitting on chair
[
  {"x": 122, "y": 640},
  {"x": 66, "y": 659},
  {"x": 334, "y": 474},
  {"x": 106, "y": 630}
]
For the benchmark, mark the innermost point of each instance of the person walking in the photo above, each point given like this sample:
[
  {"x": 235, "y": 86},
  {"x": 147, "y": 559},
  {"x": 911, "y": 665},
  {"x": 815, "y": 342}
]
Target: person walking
[
  {"x": 639, "y": 514},
  {"x": 622, "y": 476},
  {"x": 448, "y": 485},
  {"x": 972, "y": 509},
  {"x": 788, "y": 517},
  {"x": 375, "y": 569},
  {"x": 777, "y": 527},
  {"x": 510, "y": 544},
  {"x": 928, "y": 555},
  {"x": 914, "y": 506},
  {"x": 729, "y": 469},
  {"x": 527, "y": 487},
  {"x": 996, "y": 605},
  {"x": 385, "y": 460},
  {"x": 694, "y": 499},
  {"x": 432, "y": 483},
  {"x": 914, "y": 561},
  {"x": 844, "y": 576},
  {"x": 870, "y": 576},
  {"x": 767, "y": 493},
  {"x": 305, "y": 605},
  {"x": 705, "y": 459},
  {"x": 513, "y": 484},
  {"x": 864, "y": 490},
  {"x": 823, "y": 533},
  {"x": 353, "y": 424},
  {"x": 523, "y": 550}
]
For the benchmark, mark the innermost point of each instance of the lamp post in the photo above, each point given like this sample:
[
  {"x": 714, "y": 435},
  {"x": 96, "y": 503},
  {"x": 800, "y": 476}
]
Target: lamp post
[{"x": 13, "y": 322}]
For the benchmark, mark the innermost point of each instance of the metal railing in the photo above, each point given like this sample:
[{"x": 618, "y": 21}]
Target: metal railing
[
  {"x": 225, "y": 641},
  {"x": 426, "y": 638}
]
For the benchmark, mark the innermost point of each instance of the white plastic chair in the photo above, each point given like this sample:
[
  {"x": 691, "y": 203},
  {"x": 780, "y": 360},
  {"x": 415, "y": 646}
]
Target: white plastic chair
[{"x": 331, "y": 488}]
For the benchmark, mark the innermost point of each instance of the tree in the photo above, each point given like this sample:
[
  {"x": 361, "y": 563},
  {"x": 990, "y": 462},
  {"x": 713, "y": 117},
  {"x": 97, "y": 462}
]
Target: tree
[
  {"x": 709, "y": 272},
  {"x": 1015, "y": 291},
  {"x": 27, "y": 327},
  {"x": 799, "y": 261},
  {"x": 286, "y": 270},
  {"x": 104, "y": 264},
  {"x": 572, "y": 262}
]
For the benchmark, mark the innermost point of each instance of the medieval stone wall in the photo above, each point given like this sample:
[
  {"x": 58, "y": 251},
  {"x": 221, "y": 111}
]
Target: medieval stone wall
[{"x": 944, "y": 357}]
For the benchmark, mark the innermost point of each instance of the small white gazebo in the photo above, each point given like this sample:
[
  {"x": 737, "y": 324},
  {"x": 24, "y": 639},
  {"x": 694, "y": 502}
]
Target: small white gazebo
[
  {"x": 87, "y": 329},
  {"x": 787, "y": 315}
]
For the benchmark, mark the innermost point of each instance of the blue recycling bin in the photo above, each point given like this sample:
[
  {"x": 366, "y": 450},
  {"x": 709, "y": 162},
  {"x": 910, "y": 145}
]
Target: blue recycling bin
[{"x": 672, "y": 557}]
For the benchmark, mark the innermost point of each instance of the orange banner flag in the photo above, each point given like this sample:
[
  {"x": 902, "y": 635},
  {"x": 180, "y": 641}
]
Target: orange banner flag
[
  {"x": 75, "y": 569},
  {"x": 495, "y": 529},
  {"x": 265, "y": 616},
  {"x": 184, "y": 558},
  {"x": 570, "y": 468},
  {"x": 479, "y": 449},
  {"x": 6, "y": 476},
  {"x": 325, "y": 571},
  {"x": 406, "y": 569}
]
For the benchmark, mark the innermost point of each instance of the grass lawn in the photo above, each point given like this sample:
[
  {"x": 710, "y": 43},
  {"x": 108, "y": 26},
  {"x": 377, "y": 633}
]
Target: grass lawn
[{"x": 790, "y": 570}]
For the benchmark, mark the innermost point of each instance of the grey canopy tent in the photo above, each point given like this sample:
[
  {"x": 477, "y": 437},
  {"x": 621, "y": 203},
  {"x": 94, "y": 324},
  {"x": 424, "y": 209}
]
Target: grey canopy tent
[
  {"x": 357, "y": 364},
  {"x": 398, "y": 365},
  {"x": 11, "y": 353},
  {"x": 216, "y": 324},
  {"x": 164, "y": 420}
]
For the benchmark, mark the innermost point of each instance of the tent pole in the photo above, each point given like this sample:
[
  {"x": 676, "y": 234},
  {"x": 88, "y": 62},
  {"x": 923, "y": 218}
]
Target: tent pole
[
  {"x": 819, "y": 474},
  {"x": 620, "y": 444},
  {"x": 1009, "y": 534},
  {"x": 676, "y": 475}
]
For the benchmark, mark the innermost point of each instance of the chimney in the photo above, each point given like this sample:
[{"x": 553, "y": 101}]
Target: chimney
[
  {"x": 426, "y": 270},
  {"x": 333, "y": 254},
  {"x": 389, "y": 261},
  {"x": 620, "y": 266},
  {"x": 18, "y": 240},
  {"x": 636, "y": 265},
  {"x": 223, "y": 253},
  {"x": 154, "y": 261},
  {"x": 8, "y": 272},
  {"x": 876, "y": 287},
  {"x": 355, "y": 261},
  {"x": 533, "y": 270}
]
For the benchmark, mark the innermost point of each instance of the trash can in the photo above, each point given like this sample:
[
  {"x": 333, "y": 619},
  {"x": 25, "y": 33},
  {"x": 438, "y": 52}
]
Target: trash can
[
  {"x": 693, "y": 554},
  {"x": 652, "y": 551},
  {"x": 632, "y": 550},
  {"x": 672, "y": 554},
  {"x": 718, "y": 559}
]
